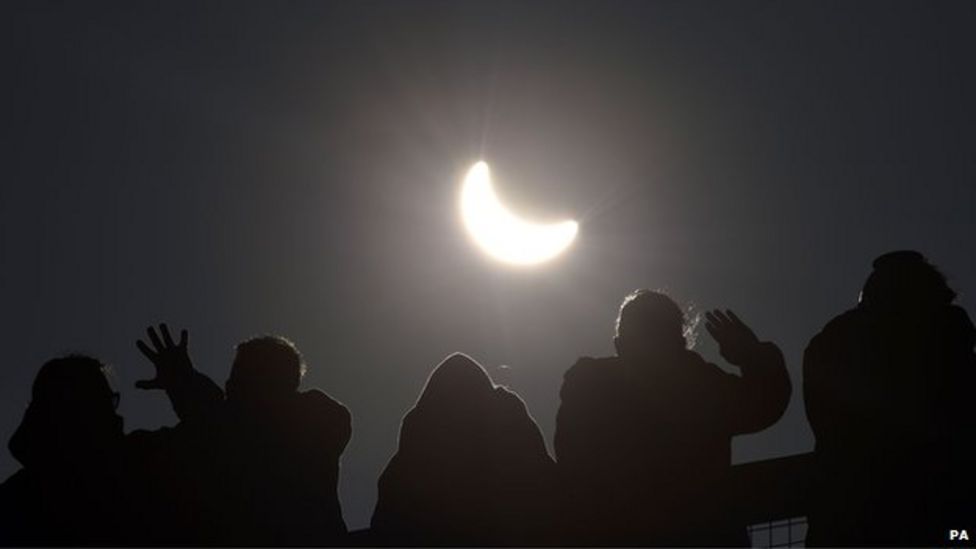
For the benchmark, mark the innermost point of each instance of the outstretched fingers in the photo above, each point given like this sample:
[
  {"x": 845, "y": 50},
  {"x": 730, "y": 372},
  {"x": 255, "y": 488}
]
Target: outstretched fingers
[
  {"x": 715, "y": 325},
  {"x": 734, "y": 318},
  {"x": 726, "y": 316},
  {"x": 167, "y": 338},
  {"x": 741, "y": 326},
  {"x": 146, "y": 350},
  {"x": 717, "y": 320},
  {"x": 159, "y": 345},
  {"x": 154, "y": 338},
  {"x": 168, "y": 357},
  {"x": 712, "y": 330}
]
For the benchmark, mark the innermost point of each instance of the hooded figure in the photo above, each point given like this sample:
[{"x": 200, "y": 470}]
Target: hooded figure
[
  {"x": 643, "y": 439},
  {"x": 471, "y": 467},
  {"x": 887, "y": 390}
]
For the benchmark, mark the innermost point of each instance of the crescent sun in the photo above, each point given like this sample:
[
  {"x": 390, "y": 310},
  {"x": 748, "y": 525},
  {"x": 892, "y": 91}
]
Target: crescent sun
[{"x": 502, "y": 234}]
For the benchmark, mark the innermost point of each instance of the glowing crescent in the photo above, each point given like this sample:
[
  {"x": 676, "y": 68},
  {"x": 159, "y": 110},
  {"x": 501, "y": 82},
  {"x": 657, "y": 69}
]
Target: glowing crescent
[{"x": 502, "y": 234}]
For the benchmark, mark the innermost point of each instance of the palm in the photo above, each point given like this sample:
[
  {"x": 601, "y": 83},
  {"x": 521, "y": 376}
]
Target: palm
[
  {"x": 172, "y": 361},
  {"x": 736, "y": 341}
]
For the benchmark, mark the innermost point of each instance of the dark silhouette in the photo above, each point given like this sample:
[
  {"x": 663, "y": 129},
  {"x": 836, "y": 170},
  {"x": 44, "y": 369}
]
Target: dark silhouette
[
  {"x": 887, "y": 390},
  {"x": 259, "y": 468},
  {"x": 167, "y": 469},
  {"x": 69, "y": 444},
  {"x": 643, "y": 438},
  {"x": 265, "y": 463},
  {"x": 471, "y": 467},
  {"x": 83, "y": 481}
]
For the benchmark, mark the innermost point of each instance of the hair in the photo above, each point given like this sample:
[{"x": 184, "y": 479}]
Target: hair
[
  {"x": 905, "y": 279},
  {"x": 273, "y": 359},
  {"x": 70, "y": 377},
  {"x": 71, "y": 416},
  {"x": 654, "y": 309}
]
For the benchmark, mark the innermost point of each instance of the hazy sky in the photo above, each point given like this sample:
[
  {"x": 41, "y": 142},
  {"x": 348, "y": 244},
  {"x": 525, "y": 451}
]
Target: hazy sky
[{"x": 293, "y": 168}]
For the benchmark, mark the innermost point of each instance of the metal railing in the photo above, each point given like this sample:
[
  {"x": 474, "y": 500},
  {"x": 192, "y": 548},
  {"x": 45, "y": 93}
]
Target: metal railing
[
  {"x": 775, "y": 491},
  {"x": 773, "y": 495},
  {"x": 791, "y": 532}
]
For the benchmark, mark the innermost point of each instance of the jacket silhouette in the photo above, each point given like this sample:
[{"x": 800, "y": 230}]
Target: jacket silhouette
[
  {"x": 266, "y": 461},
  {"x": 83, "y": 481},
  {"x": 886, "y": 387},
  {"x": 643, "y": 438},
  {"x": 471, "y": 467}
]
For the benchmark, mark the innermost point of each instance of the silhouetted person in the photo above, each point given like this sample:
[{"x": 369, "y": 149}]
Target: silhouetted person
[
  {"x": 643, "y": 439},
  {"x": 69, "y": 443},
  {"x": 888, "y": 391},
  {"x": 471, "y": 467},
  {"x": 266, "y": 462},
  {"x": 83, "y": 481}
]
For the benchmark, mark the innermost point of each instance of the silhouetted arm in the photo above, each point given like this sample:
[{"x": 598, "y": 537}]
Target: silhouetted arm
[
  {"x": 338, "y": 427},
  {"x": 960, "y": 418},
  {"x": 314, "y": 477},
  {"x": 191, "y": 393},
  {"x": 591, "y": 463},
  {"x": 196, "y": 396},
  {"x": 822, "y": 403},
  {"x": 520, "y": 424},
  {"x": 18, "y": 502},
  {"x": 573, "y": 420},
  {"x": 396, "y": 512},
  {"x": 961, "y": 356},
  {"x": 761, "y": 394},
  {"x": 835, "y": 406},
  {"x": 582, "y": 432}
]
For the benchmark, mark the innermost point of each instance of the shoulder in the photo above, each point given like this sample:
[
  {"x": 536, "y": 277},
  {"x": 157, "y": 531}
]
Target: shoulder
[
  {"x": 15, "y": 482},
  {"x": 705, "y": 371},
  {"x": 591, "y": 376},
  {"x": 587, "y": 368},
  {"x": 510, "y": 401},
  {"x": 837, "y": 329},
  {"x": 511, "y": 408},
  {"x": 320, "y": 405},
  {"x": 959, "y": 323}
]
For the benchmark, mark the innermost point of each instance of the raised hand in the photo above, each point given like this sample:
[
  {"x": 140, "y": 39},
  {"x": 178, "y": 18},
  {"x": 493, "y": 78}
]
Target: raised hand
[
  {"x": 172, "y": 361},
  {"x": 736, "y": 341}
]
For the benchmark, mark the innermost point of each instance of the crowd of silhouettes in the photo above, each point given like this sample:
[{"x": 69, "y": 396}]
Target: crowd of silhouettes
[{"x": 642, "y": 441}]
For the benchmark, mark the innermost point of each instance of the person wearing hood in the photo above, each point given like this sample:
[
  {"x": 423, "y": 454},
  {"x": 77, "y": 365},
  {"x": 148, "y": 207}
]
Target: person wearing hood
[{"x": 471, "y": 468}]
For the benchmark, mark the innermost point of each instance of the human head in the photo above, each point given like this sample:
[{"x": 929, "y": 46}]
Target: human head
[
  {"x": 457, "y": 382},
  {"x": 905, "y": 280},
  {"x": 266, "y": 368},
  {"x": 650, "y": 324},
  {"x": 458, "y": 411},
  {"x": 71, "y": 414}
]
